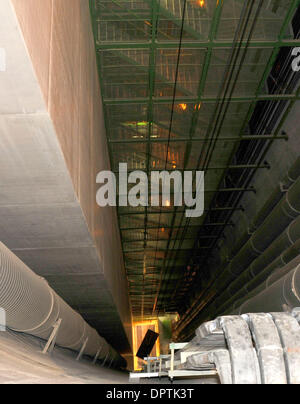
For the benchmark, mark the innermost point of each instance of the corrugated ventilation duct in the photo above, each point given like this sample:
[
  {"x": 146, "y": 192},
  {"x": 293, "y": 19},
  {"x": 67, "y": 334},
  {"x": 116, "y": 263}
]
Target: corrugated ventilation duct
[{"x": 32, "y": 307}]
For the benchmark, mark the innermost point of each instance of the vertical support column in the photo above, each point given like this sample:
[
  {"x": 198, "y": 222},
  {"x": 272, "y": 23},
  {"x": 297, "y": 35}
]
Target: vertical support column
[
  {"x": 2, "y": 320},
  {"x": 148, "y": 365},
  {"x": 111, "y": 362},
  {"x": 82, "y": 350},
  {"x": 97, "y": 355},
  {"x": 105, "y": 360},
  {"x": 52, "y": 340},
  {"x": 172, "y": 346}
]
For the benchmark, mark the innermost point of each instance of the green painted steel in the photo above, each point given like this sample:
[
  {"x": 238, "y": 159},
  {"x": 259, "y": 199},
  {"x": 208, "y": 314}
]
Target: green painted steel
[{"x": 136, "y": 42}]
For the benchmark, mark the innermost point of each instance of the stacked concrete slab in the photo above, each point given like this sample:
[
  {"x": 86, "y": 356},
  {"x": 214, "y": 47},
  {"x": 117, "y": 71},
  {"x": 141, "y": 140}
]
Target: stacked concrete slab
[{"x": 52, "y": 145}]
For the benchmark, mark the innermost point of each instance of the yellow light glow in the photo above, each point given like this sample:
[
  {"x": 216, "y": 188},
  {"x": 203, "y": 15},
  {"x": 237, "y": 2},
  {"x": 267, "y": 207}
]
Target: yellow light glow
[
  {"x": 135, "y": 342},
  {"x": 201, "y": 3},
  {"x": 167, "y": 204},
  {"x": 183, "y": 107}
]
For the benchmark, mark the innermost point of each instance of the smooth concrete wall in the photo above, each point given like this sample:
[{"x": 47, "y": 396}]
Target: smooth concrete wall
[{"x": 59, "y": 41}]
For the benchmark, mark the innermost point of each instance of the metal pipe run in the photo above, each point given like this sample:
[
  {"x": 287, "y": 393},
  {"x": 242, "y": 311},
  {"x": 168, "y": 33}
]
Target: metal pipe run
[
  {"x": 280, "y": 292},
  {"x": 282, "y": 215},
  {"x": 32, "y": 307},
  {"x": 290, "y": 178},
  {"x": 250, "y": 288},
  {"x": 273, "y": 225},
  {"x": 279, "y": 253}
]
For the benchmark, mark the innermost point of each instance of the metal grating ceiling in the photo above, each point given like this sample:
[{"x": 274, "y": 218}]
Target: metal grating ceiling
[{"x": 163, "y": 115}]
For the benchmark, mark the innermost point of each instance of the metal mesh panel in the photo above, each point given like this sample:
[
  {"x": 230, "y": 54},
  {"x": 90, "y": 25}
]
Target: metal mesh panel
[
  {"x": 268, "y": 25},
  {"x": 137, "y": 45},
  {"x": 191, "y": 64}
]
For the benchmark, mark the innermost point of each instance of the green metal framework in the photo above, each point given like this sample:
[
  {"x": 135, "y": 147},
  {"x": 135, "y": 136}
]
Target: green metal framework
[{"x": 137, "y": 44}]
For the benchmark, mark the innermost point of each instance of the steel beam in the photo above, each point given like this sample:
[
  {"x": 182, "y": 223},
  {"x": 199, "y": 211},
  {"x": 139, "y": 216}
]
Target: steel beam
[
  {"x": 164, "y": 239},
  {"x": 196, "y": 44},
  {"x": 162, "y": 226},
  {"x": 149, "y": 250},
  {"x": 182, "y": 211},
  {"x": 194, "y": 100},
  {"x": 220, "y": 139}
]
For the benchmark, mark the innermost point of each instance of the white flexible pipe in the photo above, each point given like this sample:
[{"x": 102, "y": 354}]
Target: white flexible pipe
[{"x": 32, "y": 307}]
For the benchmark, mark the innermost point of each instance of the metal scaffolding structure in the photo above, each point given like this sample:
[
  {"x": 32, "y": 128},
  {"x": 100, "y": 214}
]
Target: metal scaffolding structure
[{"x": 180, "y": 83}]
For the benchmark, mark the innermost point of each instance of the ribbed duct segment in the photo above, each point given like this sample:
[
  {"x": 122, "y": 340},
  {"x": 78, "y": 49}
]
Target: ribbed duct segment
[
  {"x": 285, "y": 248},
  {"x": 32, "y": 307},
  {"x": 248, "y": 288},
  {"x": 27, "y": 299},
  {"x": 291, "y": 177},
  {"x": 282, "y": 215},
  {"x": 275, "y": 216},
  {"x": 280, "y": 292}
]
